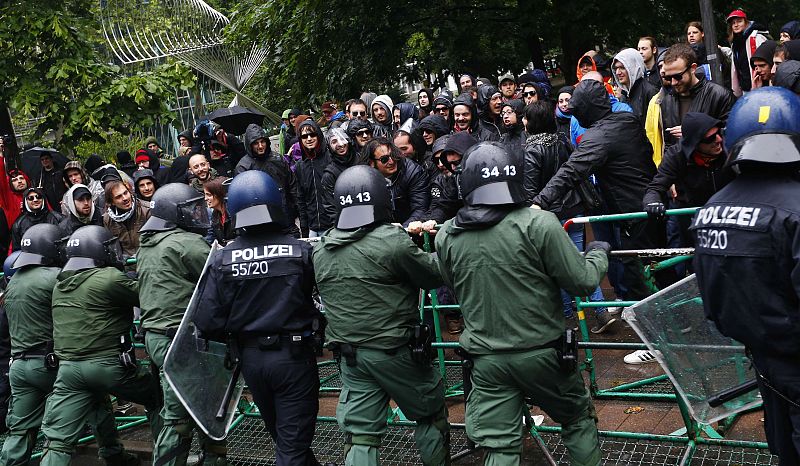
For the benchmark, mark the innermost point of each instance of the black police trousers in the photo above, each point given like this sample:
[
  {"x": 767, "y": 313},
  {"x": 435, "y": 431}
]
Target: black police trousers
[
  {"x": 285, "y": 387},
  {"x": 781, "y": 416}
]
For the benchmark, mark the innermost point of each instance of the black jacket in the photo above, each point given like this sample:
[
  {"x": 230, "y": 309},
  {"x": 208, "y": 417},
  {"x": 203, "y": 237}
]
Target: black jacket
[
  {"x": 335, "y": 168},
  {"x": 486, "y": 120},
  {"x": 544, "y": 155},
  {"x": 707, "y": 97},
  {"x": 747, "y": 245},
  {"x": 53, "y": 184},
  {"x": 639, "y": 97},
  {"x": 514, "y": 139},
  {"x": 614, "y": 148},
  {"x": 477, "y": 128},
  {"x": 273, "y": 165},
  {"x": 70, "y": 223},
  {"x": 410, "y": 193},
  {"x": 309, "y": 183},
  {"x": 222, "y": 232},
  {"x": 29, "y": 219},
  {"x": 444, "y": 198}
]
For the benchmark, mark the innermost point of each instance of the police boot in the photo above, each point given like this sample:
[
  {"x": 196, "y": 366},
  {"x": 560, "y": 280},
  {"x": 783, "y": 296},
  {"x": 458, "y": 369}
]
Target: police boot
[{"x": 122, "y": 458}]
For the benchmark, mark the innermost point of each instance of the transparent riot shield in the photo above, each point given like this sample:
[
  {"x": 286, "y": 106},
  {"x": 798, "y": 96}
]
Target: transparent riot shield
[
  {"x": 700, "y": 361},
  {"x": 196, "y": 370}
]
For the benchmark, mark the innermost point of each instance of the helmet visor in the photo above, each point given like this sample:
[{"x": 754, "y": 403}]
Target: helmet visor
[
  {"x": 261, "y": 214},
  {"x": 27, "y": 258},
  {"x": 114, "y": 252},
  {"x": 772, "y": 148},
  {"x": 356, "y": 216},
  {"x": 500, "y": 193},
  {"x": 81, "y": 263},
  {"x": 193, "y": 214}
]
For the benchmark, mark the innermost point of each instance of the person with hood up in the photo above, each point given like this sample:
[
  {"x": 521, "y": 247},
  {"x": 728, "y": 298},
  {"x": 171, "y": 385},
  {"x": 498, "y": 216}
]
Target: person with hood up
[
  {"x": 186, "y": 138},
  {"x": 513, "y": 136},
  {"x": 145, "y": 185},
  {"x": 636, "y": 90},
  {"x": 443, "y": 105},
  {"x": 401, "y": 113},
  {"x": 75, "y": 174},
  {"x": 51, "y": 180},
  {"x": 145, "y": 158},
  {"x": 744, "y": 36},
  {"x": 295, "y": 153},
  {"x": 788, "y": 76},
  {"x": 260, "y": 157},
  {"x": 360, "y": 132},
  {"x": 35, "y": 211},
  {"x": 81, "y": 211},
  {"x": 761, "y": 62},
  {"x": 490, "y": 99},
  {"x": 615, "y": 149},
  {"x": 593, "y": 61},
  {"x": 430, "y": 129},
  {"x": 410, "y": 142},
  {"x": 424, "y": 102},
  {"x": 220, "y": 159},
  {"x": 18, "y": 182},
  {"x": 343, "y": 156},
  {"x": 126, "y": 163},
  {"x": 407, "y": 181},
  {"x": 152, "y": 144},
  {"x": 563, "y": 115},
  {"x": 124, "y": 216},
  {"x": 310, "y": 200},
  {"x": 790, "y": 31},
  {"x": 382, "y": 108},
  {"x": 465, "y": 117},
  {"x": 576, "y": 130}
]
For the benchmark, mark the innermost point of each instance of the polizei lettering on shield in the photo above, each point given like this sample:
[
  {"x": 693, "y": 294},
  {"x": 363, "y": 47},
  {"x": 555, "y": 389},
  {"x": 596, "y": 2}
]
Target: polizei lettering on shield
[{"x": 727, "y": 215}]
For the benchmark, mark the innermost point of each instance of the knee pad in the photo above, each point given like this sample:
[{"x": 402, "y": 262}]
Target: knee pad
[{"x": 365, "y": 440}]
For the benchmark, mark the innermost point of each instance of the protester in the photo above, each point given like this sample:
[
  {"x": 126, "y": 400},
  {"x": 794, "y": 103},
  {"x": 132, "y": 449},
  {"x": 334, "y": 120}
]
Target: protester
[
  {"x": 563, "y": 114},
  {"x": 343, "y": 156},
  {"x": 124, "y": 216},
  {"x": 81, "y": 210},
  {"x": 424, "y": 102},
  {"x": 145, "y": 184},
  {"x": 222, "y": 227},
  {"x": 310, "y": 200},
  {"x": 629, "y": 76},
  {"x": 35, "y": 210},
  {"x": 790, "y": 31},
  {"x": 744, "y": 36}
]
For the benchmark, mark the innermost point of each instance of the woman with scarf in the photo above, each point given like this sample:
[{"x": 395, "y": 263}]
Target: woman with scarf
[{"x": 34, "y": 211}]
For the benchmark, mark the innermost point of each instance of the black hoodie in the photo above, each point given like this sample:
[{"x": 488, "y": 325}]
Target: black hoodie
[
  {"x": 476, "y": 129},
  {"x": 273, "y": 165},
  {"x": 335, "y": 168},
  {"x": 614, "y": 148},
  {"x": 489, "y": 122}
]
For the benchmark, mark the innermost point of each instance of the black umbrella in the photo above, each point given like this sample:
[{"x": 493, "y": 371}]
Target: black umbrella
[
  {"x": 235, "y": 119},
  {"x": 32, "y": 165}
]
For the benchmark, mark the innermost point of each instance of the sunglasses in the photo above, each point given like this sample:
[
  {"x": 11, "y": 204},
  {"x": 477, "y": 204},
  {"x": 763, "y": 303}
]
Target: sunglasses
[
  {"x": 34, "y": 197},
  {"x": 385, "y": 159},
  {"x": 712, "y": 138},
  {"x": 308, "y": 136},
  {"x": 363, "y": 133},
  {"x": 439, "y": 110},
  {"x": 675, "y": 77},
  {"x": 529, "y": 93},
  {"x": 427, "y": 131},
  {"x": 358, "y": 114}
]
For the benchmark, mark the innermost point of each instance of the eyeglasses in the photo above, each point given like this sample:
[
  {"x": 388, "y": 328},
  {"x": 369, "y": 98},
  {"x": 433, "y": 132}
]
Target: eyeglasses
[
  {"x": 384, "y": 159},
  {"x": 710, "y": 139},
  {"x": 529, "y": 93},
  {"x": 358, "y": 114},
  {"x": 34, "y": 197},
  {"x": 507, "y": 113},
  {"x": 675, "y": 77},
  {"x": 308, "y": 136},
  {"x": 363, "y": 133}
]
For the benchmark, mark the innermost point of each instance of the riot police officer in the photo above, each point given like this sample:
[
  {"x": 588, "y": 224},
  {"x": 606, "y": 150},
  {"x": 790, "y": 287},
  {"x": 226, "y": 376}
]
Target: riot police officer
[
  {"x": 170, "y": 260},
  {"x": 258, "y": 297},
  {"x": 93, "y": 304},
  {"x": 507, "y": 263},
  {"x": 749, "y": 234},
  {"x": 369, "y": 274}
]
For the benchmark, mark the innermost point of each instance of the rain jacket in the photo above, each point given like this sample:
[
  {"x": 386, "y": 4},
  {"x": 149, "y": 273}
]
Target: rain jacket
[
  {"x": 13, "y": 200},
  {"x": 638, "y": 92},
  {"x": 91, "y": 310},
  {"x": 485, "y": 119},
  {"x": 614, "y": 148},
  {"x": 169, "y": 264},
  {"x": 507, "y": 278},
  {"x": 369, "y": 280},
  {"x": 310, "y": 200},
  {"x": 407, "y": 111},
  {"x": 579, "y": 74}
]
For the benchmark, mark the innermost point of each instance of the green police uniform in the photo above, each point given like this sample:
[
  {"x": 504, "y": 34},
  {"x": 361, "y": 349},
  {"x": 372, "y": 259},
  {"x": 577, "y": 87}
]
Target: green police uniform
[
  {"x": 92, "y": 309},
  {"x": 369, "y": 280},
  {"x": 169, "y": 265},
  {"x": 27, "y": 303},
  {"x": 507, "y": 278}
]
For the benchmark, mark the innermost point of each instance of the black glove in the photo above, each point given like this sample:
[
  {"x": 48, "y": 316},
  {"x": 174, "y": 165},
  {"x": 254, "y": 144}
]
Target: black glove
[
  {"x": 600, "y": 245},
  {"x": 655, "y": 210}
]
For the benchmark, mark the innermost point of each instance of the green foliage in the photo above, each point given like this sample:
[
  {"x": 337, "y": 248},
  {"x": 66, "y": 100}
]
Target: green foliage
[
  {"x": 54, "y": 68},
  {"x": 110, "y": 145}
]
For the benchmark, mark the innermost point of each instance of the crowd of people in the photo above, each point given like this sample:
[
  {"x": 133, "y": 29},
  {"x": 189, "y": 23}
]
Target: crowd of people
[{"x": 643, "y": 129}]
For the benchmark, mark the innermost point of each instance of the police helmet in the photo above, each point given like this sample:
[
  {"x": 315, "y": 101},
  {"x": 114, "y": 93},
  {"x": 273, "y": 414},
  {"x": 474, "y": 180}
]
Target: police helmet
[
  {"x": 177, "y": 205},
  {"x": 39, "y": 246},
  {"x": 254, "y": 198},
  {"x": 93, "y": 246},
  {"x": 8, "y": 265},
  {"x": 764, "y": 128},
  {"x": 361, "y": 197},
  {"x": 490, "y": 175}
]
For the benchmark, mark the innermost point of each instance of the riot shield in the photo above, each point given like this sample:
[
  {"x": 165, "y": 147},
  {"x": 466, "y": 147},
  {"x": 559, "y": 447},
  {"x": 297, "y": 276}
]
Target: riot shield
[
  {"x": 196, "y": 370},
  {"x": 700, "y": 361}
]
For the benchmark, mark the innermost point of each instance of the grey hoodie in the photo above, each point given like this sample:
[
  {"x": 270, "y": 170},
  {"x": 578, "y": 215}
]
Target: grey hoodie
[{"x": 632, "y": 62}]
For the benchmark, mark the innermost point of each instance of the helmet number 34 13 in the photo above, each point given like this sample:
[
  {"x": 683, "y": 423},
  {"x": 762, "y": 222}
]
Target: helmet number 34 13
[
  {"x": 510, "y": 170},
  {"x": 360, "y": 197}
]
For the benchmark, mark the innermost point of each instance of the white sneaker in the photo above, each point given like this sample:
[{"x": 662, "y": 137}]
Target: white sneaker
[
  {"x": 640, "y": 357},
  {"x": 616, "y": 309}
]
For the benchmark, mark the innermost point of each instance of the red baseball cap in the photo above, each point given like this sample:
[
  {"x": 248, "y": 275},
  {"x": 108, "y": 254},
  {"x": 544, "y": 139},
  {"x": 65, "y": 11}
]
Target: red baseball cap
[{"x": 736, "y": 14}]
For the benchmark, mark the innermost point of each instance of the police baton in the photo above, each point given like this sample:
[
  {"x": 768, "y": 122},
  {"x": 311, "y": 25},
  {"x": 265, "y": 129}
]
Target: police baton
[{"x": 724, "y": 396}]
